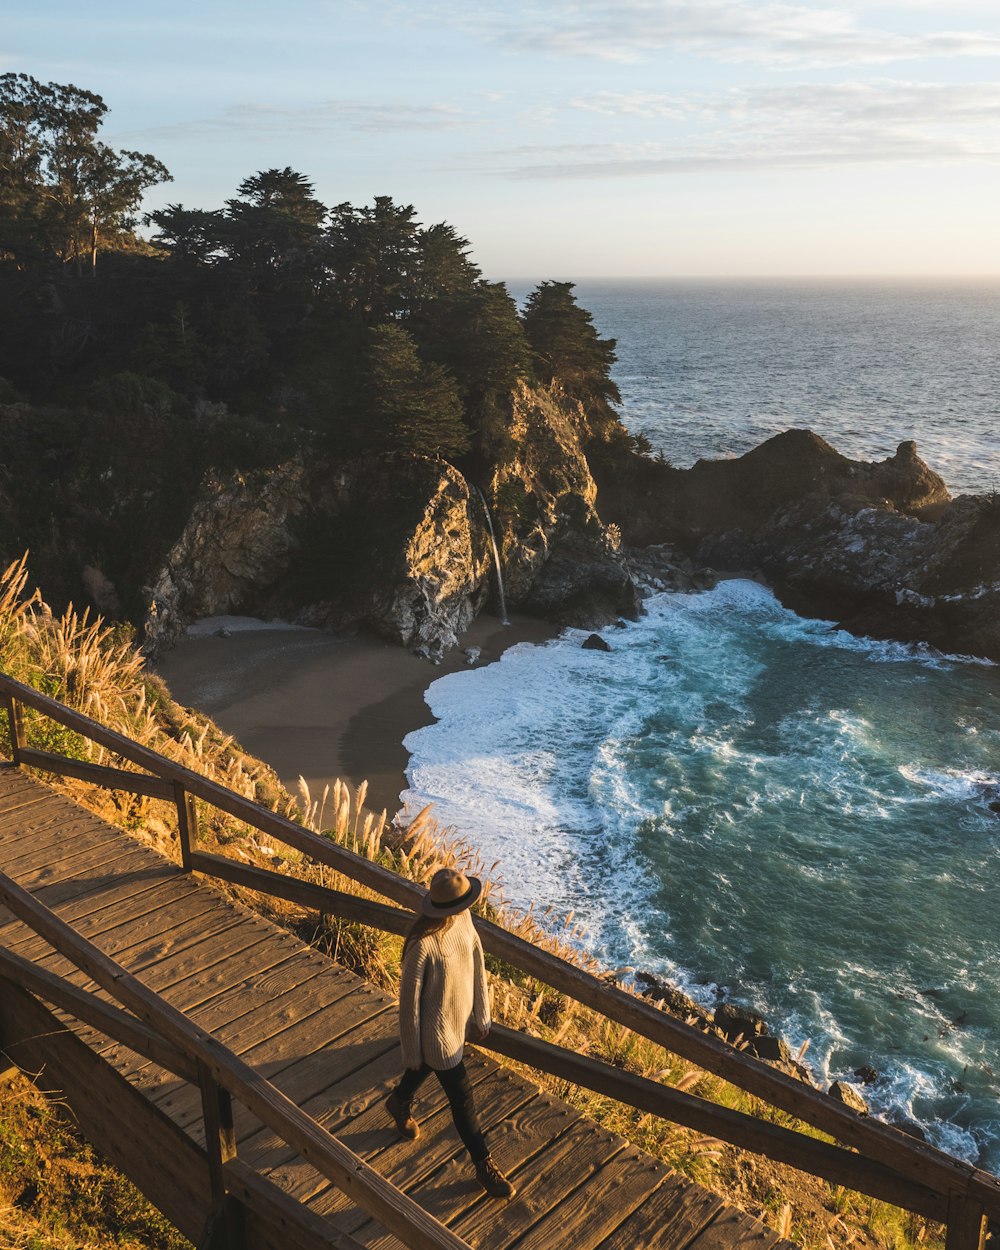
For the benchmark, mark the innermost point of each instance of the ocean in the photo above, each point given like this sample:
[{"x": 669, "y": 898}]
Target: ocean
[
  {"x": 755, "y": 805},
  {"x": 711, "y": 369}
]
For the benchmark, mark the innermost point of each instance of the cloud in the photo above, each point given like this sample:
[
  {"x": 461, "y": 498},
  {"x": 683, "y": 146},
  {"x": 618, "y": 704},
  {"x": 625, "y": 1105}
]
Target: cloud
[
  {"x": 795, "y": 127},
  {"x": 262, "y": 121},
  {"x": 777, "y": 34}
]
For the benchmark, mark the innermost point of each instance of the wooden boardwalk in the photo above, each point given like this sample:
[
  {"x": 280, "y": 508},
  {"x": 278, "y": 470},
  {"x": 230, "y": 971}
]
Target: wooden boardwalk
[{"x": 326, "y": 1039}]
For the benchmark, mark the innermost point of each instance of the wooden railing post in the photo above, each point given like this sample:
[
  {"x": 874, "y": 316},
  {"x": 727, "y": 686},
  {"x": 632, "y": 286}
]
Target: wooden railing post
[
  {"x": 187, "y": 823},
  {"x": 966, "y": 1223},
  {"x": 224, "y": 1226},
  {"x": 16, "y": 724}
]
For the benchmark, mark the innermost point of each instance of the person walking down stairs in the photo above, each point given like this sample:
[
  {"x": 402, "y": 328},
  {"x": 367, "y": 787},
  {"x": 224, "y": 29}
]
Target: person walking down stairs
[{"x": 443, "y": 1000}]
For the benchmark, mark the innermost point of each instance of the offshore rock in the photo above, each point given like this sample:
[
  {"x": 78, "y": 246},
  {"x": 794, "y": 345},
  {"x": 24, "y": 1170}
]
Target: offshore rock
[
  {"x": 594, "y": 642},
  {"x": 788, "y": 479},
  {"x": 736, "y": 1022},
  {"x": 658, "y": 990},
  {"x": 849, "y": 1096},
  {"x": 881, "y": 548}
]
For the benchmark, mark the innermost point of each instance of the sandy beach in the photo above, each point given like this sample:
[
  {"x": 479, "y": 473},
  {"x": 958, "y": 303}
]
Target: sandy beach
[{"x": 314, "y": 705}]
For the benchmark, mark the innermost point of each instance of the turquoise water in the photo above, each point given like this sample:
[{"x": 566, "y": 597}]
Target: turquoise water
[{"x": 762, "y": 806}]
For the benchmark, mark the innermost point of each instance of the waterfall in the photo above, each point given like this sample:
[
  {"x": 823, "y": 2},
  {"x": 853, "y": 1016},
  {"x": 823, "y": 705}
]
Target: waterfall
[{"x": 496, "y": 557}]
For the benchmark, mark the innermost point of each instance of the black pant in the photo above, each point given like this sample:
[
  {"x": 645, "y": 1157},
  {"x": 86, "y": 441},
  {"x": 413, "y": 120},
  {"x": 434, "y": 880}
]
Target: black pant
[{"x": 455, "y": 1083}]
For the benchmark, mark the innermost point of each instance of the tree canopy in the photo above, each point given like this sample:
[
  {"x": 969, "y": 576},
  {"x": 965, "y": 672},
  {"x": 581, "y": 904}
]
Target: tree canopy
[
  {"x": 566, "y": 346},
  {"x": 358, "y": 323},
  {"x": 64, "y": 195}
]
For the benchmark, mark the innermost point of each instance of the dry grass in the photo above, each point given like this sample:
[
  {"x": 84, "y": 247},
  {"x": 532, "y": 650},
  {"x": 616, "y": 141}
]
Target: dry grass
[
  {"x": 57, "y": 1193},
  {"x": 96, "y": 669}
]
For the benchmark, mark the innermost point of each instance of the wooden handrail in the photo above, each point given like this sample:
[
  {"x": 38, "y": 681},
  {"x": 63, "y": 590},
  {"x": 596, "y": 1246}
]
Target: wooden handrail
[
  {"x": 98, "y": 774},
  {"x": 387, "y": 1204},
  {"x": 807, "y": 1154},
  {"x": 87, "y": 1007},
  {"x": 322, "y": 898},
  {"x": 838, "y": 1166},
  {"x": 916, "y": 1162}
]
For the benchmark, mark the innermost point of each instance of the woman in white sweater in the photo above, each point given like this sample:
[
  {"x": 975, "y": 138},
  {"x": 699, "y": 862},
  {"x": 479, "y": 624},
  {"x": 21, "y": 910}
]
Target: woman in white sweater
[{"x": 443, "y": 1000}]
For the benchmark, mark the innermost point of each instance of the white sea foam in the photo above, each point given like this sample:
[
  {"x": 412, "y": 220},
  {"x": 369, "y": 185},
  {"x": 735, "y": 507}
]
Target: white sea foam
[{"x": 773, "y": 808}]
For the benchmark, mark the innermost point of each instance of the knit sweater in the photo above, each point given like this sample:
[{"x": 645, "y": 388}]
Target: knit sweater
[{"x": 442, "y": 992}]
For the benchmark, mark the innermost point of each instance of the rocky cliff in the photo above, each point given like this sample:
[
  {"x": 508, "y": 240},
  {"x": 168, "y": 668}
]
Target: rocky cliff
[
  {"x": 400, "y": 544},
  {"x": 559, "y": 560}
]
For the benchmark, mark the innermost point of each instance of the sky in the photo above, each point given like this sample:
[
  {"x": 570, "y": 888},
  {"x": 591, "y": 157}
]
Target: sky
[{"x": 571, "y": 139}]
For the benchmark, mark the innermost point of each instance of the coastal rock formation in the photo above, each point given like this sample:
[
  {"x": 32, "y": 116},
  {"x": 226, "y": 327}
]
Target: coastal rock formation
[
  {"x": 237, "y": 539},
  {"x": 849, "y": 1096},
  {"x": 400, "y": 544},
  {"x": 389, "y": 547},
  {"x": 559, "y": 560},
  {"x": 789, "y": 479},
  {"x": 405, "y": 554},
  {"x": 880, "y": 547}
]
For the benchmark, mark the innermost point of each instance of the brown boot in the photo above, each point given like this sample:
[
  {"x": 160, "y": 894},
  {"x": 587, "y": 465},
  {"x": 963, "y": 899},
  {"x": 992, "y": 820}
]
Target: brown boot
[
  {"x": 400, "y": 1112},
  {"x": 493, "y": 1180}
]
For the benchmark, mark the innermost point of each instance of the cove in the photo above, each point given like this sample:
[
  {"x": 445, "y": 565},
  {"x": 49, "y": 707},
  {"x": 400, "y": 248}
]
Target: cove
[{"x": 763, "y": 807}]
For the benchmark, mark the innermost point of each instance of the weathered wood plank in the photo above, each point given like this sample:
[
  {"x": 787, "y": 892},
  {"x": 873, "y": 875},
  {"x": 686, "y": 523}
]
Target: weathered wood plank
[
  {"x": 19, "y": 793},
  {"x": 273, "y": 1049},
  {"x": 60, "y": 847},
  {"x": 732, "y": 1228},
  {"x": 597, "y": 1208},
  {"x": 668, "y": 1220},
  {"x": 542, "y": 1180},
  {"x": 536, "y": 1125},
  {"x": 418, "y": 1167},
  {"x": 147, "y": 1076},
  {"x": 83, "y": 1006},
  {"x": 54, "y": 821},
  {"x": 337, "y": 1104},
  {"x": 301, "y": 1079},
  {"x": 157, "y": 933},
  {"x": 293, "y": 1224},
  {"x": 231, "y": 996},
  {"x": 93, "y": 904},
  {"x": 266, "y": 989},
  {"x": 89, "y": 869},
  {"x": 78, "y": 897}
]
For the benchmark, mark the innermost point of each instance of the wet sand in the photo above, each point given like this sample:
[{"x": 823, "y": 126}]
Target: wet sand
[{"x": 317, "y": 706}]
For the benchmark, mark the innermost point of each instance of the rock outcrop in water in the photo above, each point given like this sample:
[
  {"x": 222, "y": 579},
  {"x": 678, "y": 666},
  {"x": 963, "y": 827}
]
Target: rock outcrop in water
[{"x": 880, "y": 547}]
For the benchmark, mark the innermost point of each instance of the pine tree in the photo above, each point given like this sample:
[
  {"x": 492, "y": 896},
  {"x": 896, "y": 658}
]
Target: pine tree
[
  {"x": 566, "y": 347},
  {"x": 410, "y": 406}
]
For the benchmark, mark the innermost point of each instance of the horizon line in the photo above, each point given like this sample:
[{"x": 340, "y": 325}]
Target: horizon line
[{"x": 759, "y": 277}]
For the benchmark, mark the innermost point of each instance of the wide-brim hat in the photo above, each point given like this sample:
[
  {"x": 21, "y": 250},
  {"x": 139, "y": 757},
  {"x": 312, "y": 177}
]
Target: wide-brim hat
[{"x": 450, "y": 892}]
